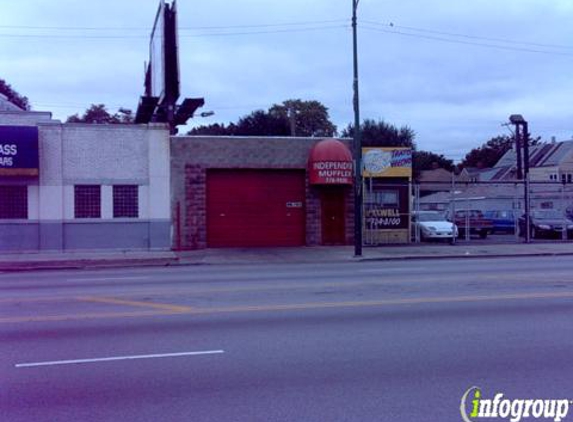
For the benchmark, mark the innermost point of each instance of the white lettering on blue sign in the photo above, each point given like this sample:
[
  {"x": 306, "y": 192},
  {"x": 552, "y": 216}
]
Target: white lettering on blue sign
[
  {"x": 8, "y": 149},
  {"x": 6, "y": 161}
]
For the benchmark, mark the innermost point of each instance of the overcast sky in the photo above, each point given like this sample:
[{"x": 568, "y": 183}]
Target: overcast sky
[{"x": 451, "y": 70}]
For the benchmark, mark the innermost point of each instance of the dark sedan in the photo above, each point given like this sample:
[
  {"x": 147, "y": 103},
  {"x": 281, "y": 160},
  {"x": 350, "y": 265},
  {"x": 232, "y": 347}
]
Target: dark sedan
[{"x": 546, "y": 223}]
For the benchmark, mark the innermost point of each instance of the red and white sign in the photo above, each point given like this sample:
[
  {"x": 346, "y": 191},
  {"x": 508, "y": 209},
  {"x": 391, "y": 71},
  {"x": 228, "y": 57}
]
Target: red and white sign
[
  {"x": 330, "y": 163},
  {"x": 331, "y": 173}
]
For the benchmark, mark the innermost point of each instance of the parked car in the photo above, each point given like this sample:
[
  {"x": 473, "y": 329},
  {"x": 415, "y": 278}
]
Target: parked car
[
  {"x": 546, "y": 223},
  {"x": 504, "y": 221},
  {"x": 433, "y": 226},
  {"x": 478, "y": 224}
]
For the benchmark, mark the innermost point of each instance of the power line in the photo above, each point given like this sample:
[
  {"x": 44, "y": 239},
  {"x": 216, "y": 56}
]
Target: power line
[
  {"x": 199, "y": 35},
  {"x": 181, "y": 28},
  {"x": 476, "y": 37},
  {"x": 267, "y": 25},
  {"x": 313, "y": 24},
  {"x": 453, "y": 41},
  {"x": 277, "y": 31}
]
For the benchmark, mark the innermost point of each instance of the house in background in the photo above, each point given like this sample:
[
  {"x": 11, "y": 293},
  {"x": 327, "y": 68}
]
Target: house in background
[
  {"x": 440, "y": 180},
  {"x": 497, "y": 188},
  {"x": 551, "y": 162}
]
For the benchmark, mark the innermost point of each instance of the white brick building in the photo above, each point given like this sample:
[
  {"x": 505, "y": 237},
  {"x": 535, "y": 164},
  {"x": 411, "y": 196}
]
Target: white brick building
[{"x": 95, "y": 186}]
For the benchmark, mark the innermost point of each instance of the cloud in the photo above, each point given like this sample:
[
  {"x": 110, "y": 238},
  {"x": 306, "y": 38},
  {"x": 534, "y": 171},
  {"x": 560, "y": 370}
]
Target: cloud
[{"x": 453, "y": 90}]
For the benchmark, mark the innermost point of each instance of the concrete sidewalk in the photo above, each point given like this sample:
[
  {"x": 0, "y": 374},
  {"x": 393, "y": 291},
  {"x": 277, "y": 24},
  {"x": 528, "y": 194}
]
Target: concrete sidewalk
[
  {"x": 322, "y": 254},
  {"x": 316, "y": 254}
]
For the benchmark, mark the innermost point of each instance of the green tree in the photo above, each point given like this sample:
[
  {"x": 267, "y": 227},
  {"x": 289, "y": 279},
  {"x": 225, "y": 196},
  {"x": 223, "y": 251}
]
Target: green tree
[
  {"x": 257, "y": 123},
  {"x": 381, "y": 134},
  {"x": 97, "y": 113},
  {"x": 261, "y": 123},
  {"x": 124, "y": 116},
  {"x": 305, "y": 118},
  {"x": 216, "y": 129},
  {"x": 490, "y": 152},
  {"x": 13, "y": 96}
]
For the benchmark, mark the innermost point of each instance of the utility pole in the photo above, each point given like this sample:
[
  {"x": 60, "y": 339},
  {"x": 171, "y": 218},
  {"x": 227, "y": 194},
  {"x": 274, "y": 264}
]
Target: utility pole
[
  {"x": 292, "y": 120},
  {"x": 357, "y": 142}
]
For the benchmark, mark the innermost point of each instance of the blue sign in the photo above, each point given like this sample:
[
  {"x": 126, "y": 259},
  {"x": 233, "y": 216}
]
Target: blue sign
[{"x": 19, "y": 151}]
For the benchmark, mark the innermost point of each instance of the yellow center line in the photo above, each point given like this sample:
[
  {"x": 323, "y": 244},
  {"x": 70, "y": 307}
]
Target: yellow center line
[
  {"x": 153, "y": 305},
  {"x": 191, "y": 290},
  {"x": 75, "y": 317},
  {"x": 166, "y": 310},
  {"x": 381, "y": 303}
]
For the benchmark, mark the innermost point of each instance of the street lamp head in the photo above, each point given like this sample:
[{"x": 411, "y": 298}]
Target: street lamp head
[{"x": 517, "y": 119}]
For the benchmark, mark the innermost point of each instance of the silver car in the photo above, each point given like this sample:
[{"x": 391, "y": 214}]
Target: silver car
[{"x": 432, "y": 225}]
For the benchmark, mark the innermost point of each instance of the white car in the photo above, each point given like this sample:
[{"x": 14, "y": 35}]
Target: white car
[{"x": 432, "y": 225}]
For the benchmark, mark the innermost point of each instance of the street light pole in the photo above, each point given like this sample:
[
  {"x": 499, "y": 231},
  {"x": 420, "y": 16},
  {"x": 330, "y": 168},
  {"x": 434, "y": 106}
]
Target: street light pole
[
  {"x": 357, "y": 142},
  {"x": 525, "y": 145},
  {"x": 522, "y": 142}
]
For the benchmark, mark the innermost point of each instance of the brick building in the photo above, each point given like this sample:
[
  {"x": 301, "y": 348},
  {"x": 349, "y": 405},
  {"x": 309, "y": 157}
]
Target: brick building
[
  {"x": 134, "y": 187},
  {"x": 260, "y": 191}
]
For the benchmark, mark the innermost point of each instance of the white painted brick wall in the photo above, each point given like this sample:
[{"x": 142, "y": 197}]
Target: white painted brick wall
[
  {"x": 143, "y": 199},
  {"x": 69, "y": 208},
  {"x": 50, "y": 148},
  {"x": 33, "y": 202},
  {"x": 105, "y": 152},
  {"x": 19, "y": 118},
  {"x": 159, "y": 175},
  {"x": 106, "y": 202},
  {"x": 73, "y": 154}
]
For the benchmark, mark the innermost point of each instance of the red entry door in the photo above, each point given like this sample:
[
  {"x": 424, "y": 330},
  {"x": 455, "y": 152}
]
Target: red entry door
[{"x": 333, "y": 215}]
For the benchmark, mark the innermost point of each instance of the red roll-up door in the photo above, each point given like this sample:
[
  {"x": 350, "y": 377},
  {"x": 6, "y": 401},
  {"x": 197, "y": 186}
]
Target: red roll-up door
[{"x": 255, "y": 208}]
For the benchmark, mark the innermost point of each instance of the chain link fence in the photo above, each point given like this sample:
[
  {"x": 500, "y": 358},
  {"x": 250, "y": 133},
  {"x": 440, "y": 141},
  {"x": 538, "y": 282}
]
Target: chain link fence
[
  {"x": 496, "y": 211},
  {"x": 400, "y": 212}
]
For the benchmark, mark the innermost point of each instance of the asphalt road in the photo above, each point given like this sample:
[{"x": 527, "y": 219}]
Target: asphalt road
[{"x": 387, "y": 341}]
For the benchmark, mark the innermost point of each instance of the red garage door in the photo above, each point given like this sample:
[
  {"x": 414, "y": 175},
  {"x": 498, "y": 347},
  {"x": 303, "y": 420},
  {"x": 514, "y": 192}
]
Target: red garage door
[{"x": 255, "y": 208}]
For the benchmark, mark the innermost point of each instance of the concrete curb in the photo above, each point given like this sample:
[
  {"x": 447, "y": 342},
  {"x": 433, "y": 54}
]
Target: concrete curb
[
  {"x": 469, "y": 256},
  {"x": 184, "y": 262},
  {"x": 87, "y": 264},
  {"x": 92, "y": 263}
]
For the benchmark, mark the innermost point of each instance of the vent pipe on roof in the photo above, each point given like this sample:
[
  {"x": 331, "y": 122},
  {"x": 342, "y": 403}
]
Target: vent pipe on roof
[{"x": 553, "y": 140}]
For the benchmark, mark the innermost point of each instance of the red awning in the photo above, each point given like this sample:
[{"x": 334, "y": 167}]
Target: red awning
[{"x": 330, "y": 163}]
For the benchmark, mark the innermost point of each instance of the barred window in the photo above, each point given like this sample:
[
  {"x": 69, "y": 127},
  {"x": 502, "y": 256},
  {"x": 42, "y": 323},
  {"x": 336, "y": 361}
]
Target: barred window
[
  {"x": 125, "y": 201},
  {"x": 14, "y": 202},
  {"x": 87, "y": 201}
]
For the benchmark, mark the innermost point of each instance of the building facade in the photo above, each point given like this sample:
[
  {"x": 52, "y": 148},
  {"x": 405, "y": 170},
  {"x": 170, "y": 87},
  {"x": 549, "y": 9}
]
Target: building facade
[
  {"x": 273, "y": 191},
  {"x": 261, "y": 191},
  {"x": 82, "y": 186}
]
